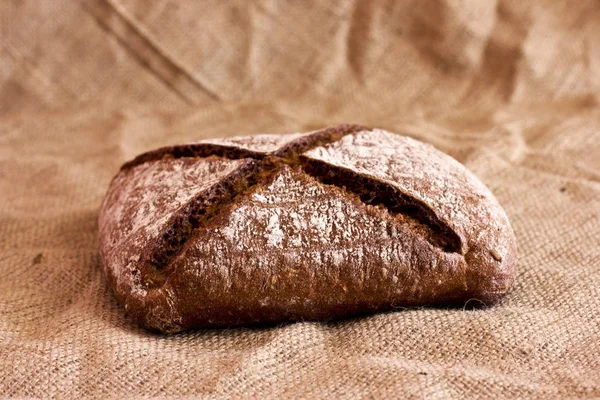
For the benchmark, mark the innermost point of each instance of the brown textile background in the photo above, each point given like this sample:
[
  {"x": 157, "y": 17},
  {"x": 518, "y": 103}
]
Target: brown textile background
[{"x": 511, "y": 89}]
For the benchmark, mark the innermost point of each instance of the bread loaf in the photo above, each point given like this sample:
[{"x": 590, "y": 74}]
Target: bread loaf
[{"x": 271, "y": 228}]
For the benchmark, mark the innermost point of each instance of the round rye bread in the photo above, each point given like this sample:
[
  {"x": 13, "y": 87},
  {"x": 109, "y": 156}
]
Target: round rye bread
[{"x": 310, "y": 226}]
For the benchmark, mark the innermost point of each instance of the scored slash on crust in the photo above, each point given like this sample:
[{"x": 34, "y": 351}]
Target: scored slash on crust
[{"x": 261, "y": 168}]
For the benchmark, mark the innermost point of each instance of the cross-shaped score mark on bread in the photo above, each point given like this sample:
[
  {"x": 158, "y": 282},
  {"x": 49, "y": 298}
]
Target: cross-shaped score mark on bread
[{"x": 261, "y": 168}]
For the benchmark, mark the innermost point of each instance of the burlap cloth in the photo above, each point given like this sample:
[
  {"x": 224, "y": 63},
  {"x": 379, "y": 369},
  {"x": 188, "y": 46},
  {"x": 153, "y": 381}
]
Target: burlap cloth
[{"x": 511, "y": 89}]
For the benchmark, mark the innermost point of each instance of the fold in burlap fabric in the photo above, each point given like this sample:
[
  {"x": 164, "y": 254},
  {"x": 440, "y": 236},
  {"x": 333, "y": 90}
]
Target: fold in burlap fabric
[{"x": 511, "y": 89}]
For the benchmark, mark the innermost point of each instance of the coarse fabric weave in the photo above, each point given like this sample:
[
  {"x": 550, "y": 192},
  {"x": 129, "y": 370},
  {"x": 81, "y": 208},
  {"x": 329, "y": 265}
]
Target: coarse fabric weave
[{"x": 509, "y": 88}]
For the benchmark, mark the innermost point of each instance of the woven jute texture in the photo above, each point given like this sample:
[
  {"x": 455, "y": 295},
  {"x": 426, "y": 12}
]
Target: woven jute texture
[{"x": 511, "y": 89}]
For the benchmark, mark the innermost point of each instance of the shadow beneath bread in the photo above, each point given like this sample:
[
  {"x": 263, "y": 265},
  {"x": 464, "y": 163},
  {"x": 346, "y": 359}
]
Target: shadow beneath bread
[{"x": 267, "y": 329}]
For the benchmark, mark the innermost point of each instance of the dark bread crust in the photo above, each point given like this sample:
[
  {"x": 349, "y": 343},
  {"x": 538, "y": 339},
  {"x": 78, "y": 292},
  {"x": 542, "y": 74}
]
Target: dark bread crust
[{"x": 304, "y": 227}]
